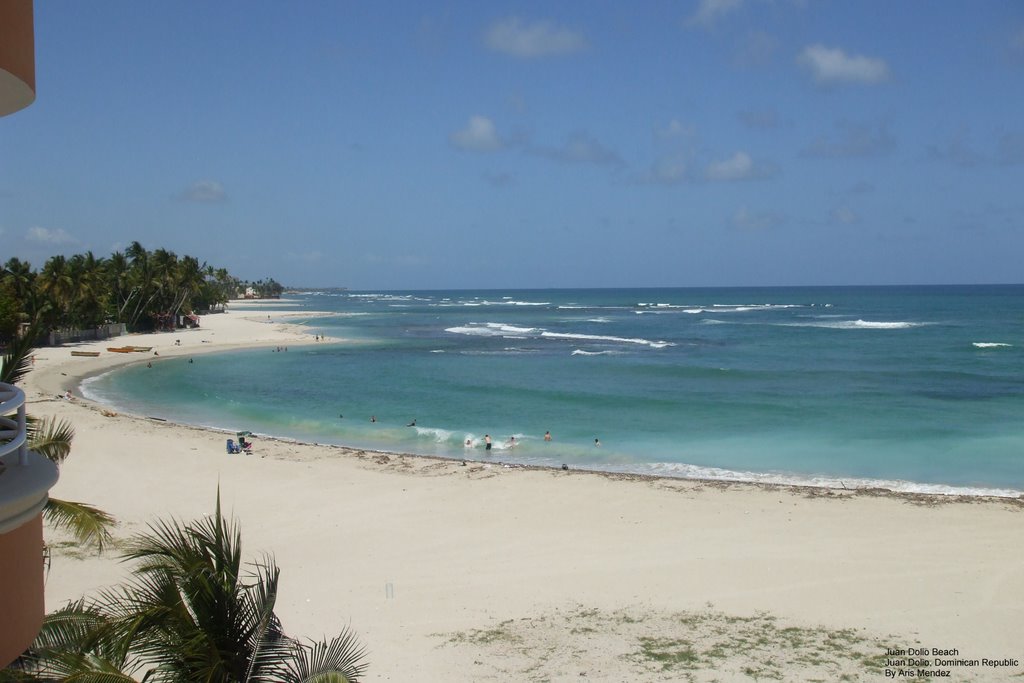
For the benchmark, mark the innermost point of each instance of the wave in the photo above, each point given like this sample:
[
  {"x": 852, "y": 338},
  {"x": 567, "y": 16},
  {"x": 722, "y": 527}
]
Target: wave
[
  {"x": 685, "y": 471},
  {"x": 990, "y": 345},
  {"x": 438, "y": 435},
  {"x": 581, "y": 352},
  {"x": 491, "y": 329},
  {"x": 599, "y": 337},
  {"x": 849, "y": 324},
  {"x": 714, "y": 308},
  {"x": 679, "y": 309},
  {"x": 514, "y": 332}
]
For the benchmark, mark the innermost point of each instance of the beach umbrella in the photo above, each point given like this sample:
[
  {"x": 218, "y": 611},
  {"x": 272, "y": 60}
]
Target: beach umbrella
[{"x": 245, "y": 433}]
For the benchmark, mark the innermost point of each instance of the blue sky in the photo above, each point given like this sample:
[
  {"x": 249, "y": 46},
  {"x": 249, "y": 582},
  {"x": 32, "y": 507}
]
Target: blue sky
[{"x": 399, "y": 145}]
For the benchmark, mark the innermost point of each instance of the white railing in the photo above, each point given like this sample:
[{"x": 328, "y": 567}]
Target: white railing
[
  {"x": 25, "y": 481},
  {"x": 13, "y": 435}
]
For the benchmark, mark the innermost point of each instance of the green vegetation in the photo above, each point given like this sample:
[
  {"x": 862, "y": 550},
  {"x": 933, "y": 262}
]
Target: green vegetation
[
  {"x": 190, "y": 612},
  {"x": 52, "y": 438},
  {"x": 705, "y": 645},
  {"x": 144, "y": 289}
]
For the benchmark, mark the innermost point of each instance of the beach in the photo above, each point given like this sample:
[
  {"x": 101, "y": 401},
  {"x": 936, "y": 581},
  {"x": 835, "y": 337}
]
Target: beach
[{"x": 481, "y": 571}]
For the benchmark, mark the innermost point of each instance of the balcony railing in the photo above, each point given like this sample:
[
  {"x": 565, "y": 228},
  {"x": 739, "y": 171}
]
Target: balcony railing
[{"x": 25, "y": 481}]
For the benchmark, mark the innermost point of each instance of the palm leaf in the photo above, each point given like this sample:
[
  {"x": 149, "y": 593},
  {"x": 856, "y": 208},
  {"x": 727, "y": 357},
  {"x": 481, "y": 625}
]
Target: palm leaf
[
  {"x": 89, "y": 525},
  {"x": 50, "y": 437},
  {"x": 337, "y": 661},
  {"x": 74, "y": 645},
  {"x": 17, "y": 362}
]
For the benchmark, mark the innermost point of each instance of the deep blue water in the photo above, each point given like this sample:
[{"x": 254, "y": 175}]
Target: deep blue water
[{"x": 916, "y": 388}]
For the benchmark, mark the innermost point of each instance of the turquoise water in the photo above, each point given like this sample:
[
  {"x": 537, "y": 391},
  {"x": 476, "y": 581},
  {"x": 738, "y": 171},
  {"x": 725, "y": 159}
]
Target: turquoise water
[{"x": 914, "y": 388}]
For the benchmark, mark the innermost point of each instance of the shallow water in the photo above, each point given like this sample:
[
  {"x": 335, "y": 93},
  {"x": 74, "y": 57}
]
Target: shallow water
[{"x": 914, "y": 388}]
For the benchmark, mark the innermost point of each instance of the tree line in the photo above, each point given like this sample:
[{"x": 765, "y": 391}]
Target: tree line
[{"x": 144, "y": 289}]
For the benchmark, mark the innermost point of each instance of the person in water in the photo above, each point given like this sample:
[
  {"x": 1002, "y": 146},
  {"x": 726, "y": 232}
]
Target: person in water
[
  {"x": 487, "y": 442},
  {"x": 547, "y": 436},
  {"x": 412, "y": 424},
  {"x": 597, "y": 442}
]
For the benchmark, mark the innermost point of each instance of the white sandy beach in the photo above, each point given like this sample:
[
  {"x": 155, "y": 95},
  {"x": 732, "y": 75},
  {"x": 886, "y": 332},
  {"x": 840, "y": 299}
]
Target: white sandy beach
[{"x": 481, "y": 572}]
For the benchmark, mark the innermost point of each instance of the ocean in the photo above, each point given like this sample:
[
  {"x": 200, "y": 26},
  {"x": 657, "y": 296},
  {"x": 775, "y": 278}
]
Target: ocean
[{"x": 908, "y": 388}]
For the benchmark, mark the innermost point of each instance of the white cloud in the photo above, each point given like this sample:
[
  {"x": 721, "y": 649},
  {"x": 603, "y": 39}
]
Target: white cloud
[
  {"x": 710, "y": 11},
  {"x": 676, "y": 129},
  {"x": 745, "y": 219},
  {"x": 514, "y": 37},
  {"x": 581, "y": 149},
  {"x": 845, "y": 215},
  {"x": 957, "y": 150},
  {"x": 832, "y": 65},
  {"x": 479, "y": 135},
  {"x": 667, "y": 171},
  {"x": 204, "y": 192},
  {"x": 738, "y": 167},
  {"x": 48, "y": 236}
]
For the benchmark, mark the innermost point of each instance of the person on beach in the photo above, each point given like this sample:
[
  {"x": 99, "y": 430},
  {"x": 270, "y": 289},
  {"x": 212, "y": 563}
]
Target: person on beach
[
  {"x": 547, "y": 436},
  {"x": 487, "y": 442}
]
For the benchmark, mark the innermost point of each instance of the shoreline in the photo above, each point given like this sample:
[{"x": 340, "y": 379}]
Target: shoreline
[
  {"x": 419, "y": 553},
  {"x": 727, "y": 477}
]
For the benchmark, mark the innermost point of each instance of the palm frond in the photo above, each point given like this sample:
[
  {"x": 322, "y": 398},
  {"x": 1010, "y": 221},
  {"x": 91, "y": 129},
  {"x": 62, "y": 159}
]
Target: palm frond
[
  {"x": 89, "y": 525},
  {"x": 50, "y": 437},
  {"x": 74, "y": 644},
  {"x": 339, "y": 661},
  {"x": 17, "y": 362}
]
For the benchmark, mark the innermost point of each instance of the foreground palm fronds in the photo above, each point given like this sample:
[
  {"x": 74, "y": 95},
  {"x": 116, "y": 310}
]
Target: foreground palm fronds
[{"x": 190, "y": 612}]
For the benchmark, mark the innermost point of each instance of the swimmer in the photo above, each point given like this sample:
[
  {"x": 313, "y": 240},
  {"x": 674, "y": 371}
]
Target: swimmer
[
  {"x": 597, "y": 442},
  {"x": 547, "y": 436},
  {"x": 469, "y": 443},
  {"x": 487, "y": 442},
  {"x": 412, "y": 424},
  {"x": 373, "y": 418},
  {"x": 511, "y": 442}
]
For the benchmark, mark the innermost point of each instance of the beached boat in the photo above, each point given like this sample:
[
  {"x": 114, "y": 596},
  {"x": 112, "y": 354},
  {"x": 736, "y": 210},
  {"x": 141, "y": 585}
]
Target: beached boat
[
  {"x": 140, "y": 349},
  {"x": 91, "y": 354},
  {"x": 121, "y": 349}
]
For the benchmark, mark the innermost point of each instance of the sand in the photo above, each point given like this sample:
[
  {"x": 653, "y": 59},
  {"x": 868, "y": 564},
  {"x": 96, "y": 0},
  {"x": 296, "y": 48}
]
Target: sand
[{"x": 487, "y": 572}]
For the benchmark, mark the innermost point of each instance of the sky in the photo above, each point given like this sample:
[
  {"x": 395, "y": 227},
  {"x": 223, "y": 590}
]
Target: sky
[{"x": 408, "y": 145}]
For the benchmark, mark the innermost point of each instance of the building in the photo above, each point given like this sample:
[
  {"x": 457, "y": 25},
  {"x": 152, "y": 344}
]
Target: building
[{"x": 25, "y": 477}]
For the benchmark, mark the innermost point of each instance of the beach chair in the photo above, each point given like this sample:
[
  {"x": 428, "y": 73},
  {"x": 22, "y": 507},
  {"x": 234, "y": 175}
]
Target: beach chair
[{"x": 233, "y": 447}]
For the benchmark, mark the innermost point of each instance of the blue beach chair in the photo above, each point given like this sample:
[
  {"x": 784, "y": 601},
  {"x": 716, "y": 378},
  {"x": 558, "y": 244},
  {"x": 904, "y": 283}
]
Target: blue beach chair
[{"x": 233, "y": 447}]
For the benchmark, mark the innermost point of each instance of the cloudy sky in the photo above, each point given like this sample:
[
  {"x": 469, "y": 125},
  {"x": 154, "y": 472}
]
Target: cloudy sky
[{"x": 393, "y": 145}]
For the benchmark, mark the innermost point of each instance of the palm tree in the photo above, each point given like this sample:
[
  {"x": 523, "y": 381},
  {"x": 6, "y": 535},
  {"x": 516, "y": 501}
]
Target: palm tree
[
  {"x": 51, "y": 438},
  {"x": 189, "y": 613}
]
